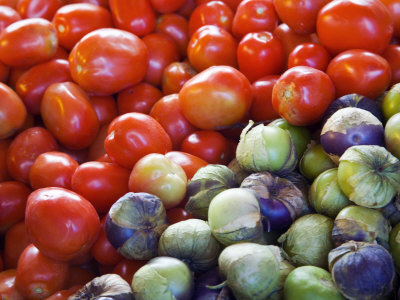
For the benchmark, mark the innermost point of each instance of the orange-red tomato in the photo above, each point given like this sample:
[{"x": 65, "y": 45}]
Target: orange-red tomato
[
  {"x": 16, "y": 240},
  {"x": 105, "y": 108},
  {"x": 166, "y": 6},
  {"x": 4, "y": 144},
  {"x": 175, "y": 75},
  {"x": 96, "y": 149},
  {"x": 126, "y": 268},
  {"x": 103, "y": 3},
  {"x": 261, "y": 107},
  {"x": 392, "y": 55},
  {"x": 189, "y": 162},
  {"x": 394, "y": 10},
  {"x": 8, "y": 15},
  {"x": 7, "y": 285},
  {"x": 38, "y": 8},
  {"x": 233, "y": 4},
  {"x": 309, "y": 54}
]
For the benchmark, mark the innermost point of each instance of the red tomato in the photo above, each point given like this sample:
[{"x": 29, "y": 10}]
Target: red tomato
[
  {"x": 309, "y": 54},
  {"x": 126, "y": 268},
  {"x": 136, "y": 16},
  {"x": 261, "y": 107},
  {"x": 210, "y": 46},
  {"x": 133, "y": 135},
  {"x": 64, "y": 294},
  {"x": 209, "y": 145},
  {"x": 302, "y": 94},
  {"x": 211, "y": 13},
  {"x": 253, "y": 16},
  {"x": 175, "y": 75},
  {"x": 233, "y": 4},
  {"x": 96, "y": 149},
  {"x": 260, "y": 54},
  {"x": 32, "y": 84},
  {"x": 8, "y": 15},
  {"x": 80, "y": 155},
  {"x": 103, "y": 3},
  {"x": 13, "y": 111},
  {"x": 51, "y": 213},
  {"x": 7, "y": 285},
  {"x": 218, "y": 96},
  {"x": 166, "y": 6},
  {"x": 108, "y": 60},
  {"x": 28, "y": 42},
  {"x": 4, "y": 72},
  {"x": 100, "y": 183},
  {"x": 38, "y": 8},
  {"x": 354, "y": 24},
  {"x": 139, "y": 98},
  {"x": 359, "y": 71},
  {"x": 13, "y": 196},
  {"x": 186, "y": 9},
  {"x": 24, "y": 149},
  {"x": 74, "y": 21},
  {"x": 16, "y": 240},
  {"x": 14, "y": 74},
  {"x": 168, "y": 113},
  {"x": 105, "y": 108},
  {"x": 52, "y": 168},
  {"x": 189, "y": 163},
  {"x": 177, "y": 214},
  {"x": 39, "y": 276},
  {"x": 4, "y": 175},
  {"x": 394, "y": 9},
  {"x": 392, "y": 56}
]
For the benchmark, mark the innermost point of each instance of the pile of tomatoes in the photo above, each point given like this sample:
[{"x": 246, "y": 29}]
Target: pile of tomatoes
[{"x": 89, "y": 87}]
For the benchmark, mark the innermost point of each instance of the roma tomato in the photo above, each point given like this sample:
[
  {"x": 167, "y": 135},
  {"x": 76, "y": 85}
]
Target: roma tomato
[
  {"x": 133, "y": 135},
  {"x": 309, "y": 54},
  {"x": 39, "y": 8},
  {"x": 189, "y": 162},
  {"x": 354, "y": 24},
  {"x": 74, "y": 21},
  {"x": 28, "y": 42},
  {"x": 108, "y": 60},
  {"x": 392, "y": 56},
  {"x": 233, "y": 4},
  {"x": 260, "y": 54},
  {"x": 39, "y": 276},
  {"x": 68, "y": 114},
  {"x": 96, "y": 149},
  {"x": 25, "y": 148},
  {"x": 8, "y": 15},
  {"x": 103, "y": 3},
  {"x": 16, "y": 240},
  {"x": 216, "y": 97},
  {"x": 177, "y": 214},
  {"x": 105, "y": 108},
  {"x": 302, "y": 94},
  {"x": 7, "y": 285},
  {"x": 359, "y": 71},
  {"x": 261, "y": 107},
  {"x": 166, "y": 6},
  {"x": 51, "y": 213},
  {"x": 4, "y": 144},
  {"x": 175, "y": 75}
]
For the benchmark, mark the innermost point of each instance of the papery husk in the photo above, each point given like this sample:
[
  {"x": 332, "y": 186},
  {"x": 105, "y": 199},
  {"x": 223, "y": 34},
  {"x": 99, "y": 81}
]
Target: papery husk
[
  {"x": 238, "y": 170},
  {"x": 392, "y": 211}
]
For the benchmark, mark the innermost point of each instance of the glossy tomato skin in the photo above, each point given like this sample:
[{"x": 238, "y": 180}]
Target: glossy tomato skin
[
  {"x": 218, "y": 96},
  {"x": 309, "y": 54},
  {"x": 177, "y": 214},
  {"x": 7, "y": 285},
  {"x": 28, "y": 42},
  {"x": 261, "y": 107},
  {"x": 233, "y": 4},
  {"x": 74, "y": 21},
  {"x": 189, "y": 162},
  {"x": 392, "y": 56},
  {"x": 4, "y": 144},
  {"x": 108, "y": 60},
  {"x": 8, "y": 15},
  {"x": 105, "y": 108},
  {"x": 68, "y": 114},
  {"x": 102, "y": 3},
  {"x": 166, "y": 6},
  {"x": 38, "y": 8},
  {"x": 302, "y": 94},
  {"x": 132, "y": 136},
  {"x": 126, "y": 268},
  {"x": 15, "y": 241},
  {"x": 39, "y": 276},
  {"x": 96, "y": 149},
  {"x": 394, "y": 9},
  {"x": 32, "y": 84},
  {"x": 359, "y": 71},
  {"x": 354, "y": 24},
  {"x": 175, "y": 75},
  {"x": 260, "y": 54},
  {"x": 50, "y": 213}
]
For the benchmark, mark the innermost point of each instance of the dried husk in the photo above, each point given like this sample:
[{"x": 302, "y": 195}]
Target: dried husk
[{"x": 238, "y": 170}]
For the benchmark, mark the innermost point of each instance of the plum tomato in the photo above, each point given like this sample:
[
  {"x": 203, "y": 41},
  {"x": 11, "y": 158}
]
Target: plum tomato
[
  {"x": 39, "y": 8},
  {"x": 233, "y": 4},
  {"x": 96, "y": 149},
  {"x": 392, "y": 56},
  {"x": 105, "y": 108},
  {"x": 261, "y": 108},
  {"x": 15, "y": 241},
  {"x": 309, "y": 54},
  {"x": 7, "y": 285},
  {"x": 394, "y": 9},
  {"x": 8, "y": 15},
  {"x": 175, "y": 75},
  {"x": 4, "y": 144},
  {"x": 166, "y": 6},
  {"x": 189, "y": 162}
]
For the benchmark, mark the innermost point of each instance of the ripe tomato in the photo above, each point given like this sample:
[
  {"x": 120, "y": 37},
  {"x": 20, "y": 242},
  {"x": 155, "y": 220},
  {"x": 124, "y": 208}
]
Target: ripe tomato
[
  {"x": 394, "y": 9},
  {"x": 133, "y": 135},
  {"x": 13, "y": 111},
  {"x": 32, "y": 84},
  {"x": 261, "y": 107},
  {"x": 189, "y": 163},
  {"x": 166, "y": 6},
  {"x": 309, "y": 54},
  {"x": 64, "y": 294},
  {"x": 211, "y": 45},
  {"x": 51, "y": 213},
  {"x": 392, "y": 56},
  {"x": 39, "y": 276},
  {"x": 177, "y": 214},
  {"x": 260, "y": 54},
  {"x": 28, "y": 42},
  {"x": 108, "y": 60},
  {"x": 38, "y": 8},
  {"x": 354, "y": 24},
  {"x": 105, "y": 108},
  {"x": 175, "y": 75},
  {"x": 8, "y": 15},
  {"x": 186, "y": 9},
  {"x": 96, "y": 149},
  {"x": 16, "y": 240},
  {"x": 74, "y": 21},
  {"x": 24, "y": 149},
  {"x": 4, "y": 72},
  {"x": 7, "y": 285},
  {"x": 218, "y": 96},
  {"x": 68, "y": 114},
  {"x": 103, "y": 3},
  {"x": 233, "y": 4},
  {"x": 126, "y": 268},
  {"x": 4, "y": 175},
  {"x": 359, "y": 71},
  {"x": 302, "y": 94}
]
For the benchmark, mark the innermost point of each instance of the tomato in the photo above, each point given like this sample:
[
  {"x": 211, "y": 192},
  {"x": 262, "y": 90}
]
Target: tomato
[
  {"x": 186, "y": 9},
  {"x": 139, "y": 98},
  {"x": 24, "y": 149},
  {"x": 302, "y": 94},
  {"x": 80, "y": 155},
  {"x": 108, "y": 60},
  {"x": 16, "y": 240},
  {"x": 74, "y": 21},
  {"x": 301, "y": 16},
  {"x": 162, "y": 51},
  {"x": 176, "y": 27},
  {"x": 175, "y": 75},
  {"x": 132, "y": 136},
  {"x": 4, "y": 175},
  {"x": 38, "y": 8},
  {"x": 354, "y": 24},
  {"x": 394, "y": 9},
  {"x": 177, "y": 214},
  {"x": 189, "y": 163},
  {"x": 392, "y": 56},
  {"x": 51, "y": 213},
  {"x": 136, "y": 16},
  {"x": 261, "y": 107},
  {"x": 253, "y": 16},
  {"x": 218, "y": 96},
  {"x": 126, "y": 268},
  {"x": 100, "y": 183},
  {"x": 64, "y": 294},
  {"x": 233, "y": 4},
  {"x": 166, "y": 6},
  {"x": 211, "y": 45},
  {"x": 260, "y": 54},
  {"x": 105, "y": 108},
  {"x": 4, "y": 72},
  {"x": 103, "y": 3},
  {"x": 7, "y": 285},
  {"x": 309, "y": 54},
  {"x": 13, "y": 111},
  {"x": 211, "y": 13},
  {"x": 28, "y": 42},
  {"x": 209, "y": 145},
  {"x": 8, "y": 15},
  {"x": 32, "y": 84},
  {"x": 96, "y": 149},
  {"x": 359, "y": 71},
  {"x": 39, "y": 276}
]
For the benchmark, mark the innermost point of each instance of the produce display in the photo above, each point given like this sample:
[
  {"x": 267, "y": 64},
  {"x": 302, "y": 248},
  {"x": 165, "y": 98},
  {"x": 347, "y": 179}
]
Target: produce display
[{"x": 200, "y": 149}]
